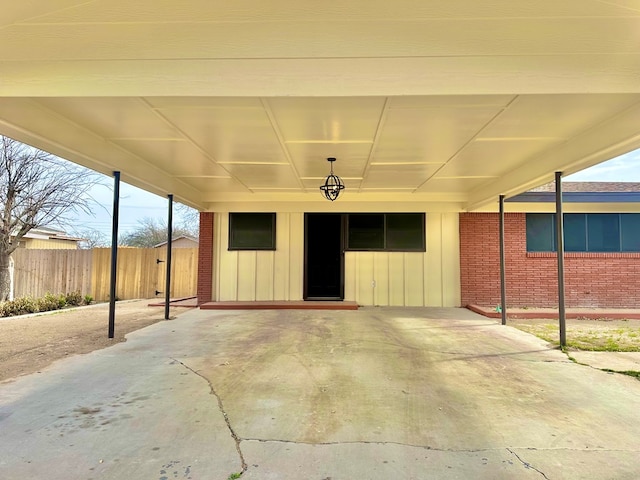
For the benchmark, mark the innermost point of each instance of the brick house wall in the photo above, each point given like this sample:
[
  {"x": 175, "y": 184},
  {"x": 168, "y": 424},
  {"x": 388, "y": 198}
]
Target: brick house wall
[
  {"x": 205, "y": 258},
  {"x": 591, "y": 279}
]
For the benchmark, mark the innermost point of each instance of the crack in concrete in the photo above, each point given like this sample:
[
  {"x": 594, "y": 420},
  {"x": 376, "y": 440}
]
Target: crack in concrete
[
  {"x": 435, "y": 449},
  {"x": 526, "y": 464},
  {"x": 213, "y": 392},
  {"x": 606, "y": 370},
  {"x": 355, "y": 442},
  {"x": 365, "y": 442}
]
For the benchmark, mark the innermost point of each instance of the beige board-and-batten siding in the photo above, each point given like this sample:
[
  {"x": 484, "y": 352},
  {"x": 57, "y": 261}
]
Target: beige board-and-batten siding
[
  {"x": 430, "y": 278},
  {"x": 139, "y": 275}
]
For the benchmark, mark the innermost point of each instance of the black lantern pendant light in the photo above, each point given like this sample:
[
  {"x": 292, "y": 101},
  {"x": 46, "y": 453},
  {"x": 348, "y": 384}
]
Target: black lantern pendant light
[{"x": 333, "y": 184}]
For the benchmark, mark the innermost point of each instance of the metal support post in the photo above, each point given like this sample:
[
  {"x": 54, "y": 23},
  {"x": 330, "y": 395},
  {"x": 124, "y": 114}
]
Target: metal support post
[
  {"x": 560, "y": 255},
  {"x": 114, "y": 254},
  {"x": 503, "y": 284},
  {"x": 167, "y": 289}
]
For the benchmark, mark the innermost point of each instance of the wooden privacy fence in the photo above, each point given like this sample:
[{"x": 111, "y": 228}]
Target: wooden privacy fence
[{"x": 139, "y": 274}]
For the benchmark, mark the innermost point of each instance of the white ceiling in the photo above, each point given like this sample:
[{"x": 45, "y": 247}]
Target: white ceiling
[{"x": 420, "y": 101}]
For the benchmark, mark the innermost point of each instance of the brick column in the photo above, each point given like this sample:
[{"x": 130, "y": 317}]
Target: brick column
[{"x": 205, "y": 258}]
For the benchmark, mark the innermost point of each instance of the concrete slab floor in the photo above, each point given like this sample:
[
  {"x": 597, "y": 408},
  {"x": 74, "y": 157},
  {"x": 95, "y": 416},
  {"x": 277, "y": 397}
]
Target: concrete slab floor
[{"x": 378, "y": 393}]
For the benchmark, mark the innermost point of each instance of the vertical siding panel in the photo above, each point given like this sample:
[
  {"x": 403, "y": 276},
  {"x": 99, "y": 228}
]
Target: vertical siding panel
[
  {"x": 451, "y": 260},
  {"x": 365, "y": 277},
  {"x": 281, "y": 258},
  {"x": 228, "y": 277},
  {"x": 350, "y": 276},
  {"x": 396, "y": 279},
  {"x": 434, "y": 260},
  {"x": 414, "y": 279},
  {"x": 296, "y": 261},
  {"x": 264, "y": 275},
  {"x": 247, "y": 275},
  {"x": 381, "y": 276}
]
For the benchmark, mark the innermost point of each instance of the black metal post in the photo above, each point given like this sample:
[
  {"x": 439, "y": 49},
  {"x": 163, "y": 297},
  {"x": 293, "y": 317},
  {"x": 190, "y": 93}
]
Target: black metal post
[
  {"x": 167, "y": 289},
  {"x": 503, "y": 284},
  {"x": 560, "y": 254},
  {"x": 114, "y": 254}
]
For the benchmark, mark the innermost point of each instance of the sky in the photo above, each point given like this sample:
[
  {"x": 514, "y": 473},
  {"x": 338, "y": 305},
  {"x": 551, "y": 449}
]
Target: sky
[
  {"x": 136, "y": 204},
  {"x": 625, "y": 168}
]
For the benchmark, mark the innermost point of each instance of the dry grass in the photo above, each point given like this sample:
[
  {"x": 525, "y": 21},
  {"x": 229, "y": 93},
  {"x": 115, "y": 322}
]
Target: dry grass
[{"x": 592, "y": 335}]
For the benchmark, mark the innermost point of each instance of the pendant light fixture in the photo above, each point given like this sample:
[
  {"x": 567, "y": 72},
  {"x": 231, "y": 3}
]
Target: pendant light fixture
[{"x": 333, "y": 184}]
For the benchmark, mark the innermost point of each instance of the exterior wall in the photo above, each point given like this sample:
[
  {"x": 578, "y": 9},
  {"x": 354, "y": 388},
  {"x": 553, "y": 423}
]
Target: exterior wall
[
  {"x": 261, "y": 275},
  {"x": 401, "y": 278},
  {"x": 205, "y": 258},
  {"x": 591, "y": 279},
  {"x": 431, "y": 278},
  {"x": 183, "y": 243},
  {"x": 49, "y": 244}
]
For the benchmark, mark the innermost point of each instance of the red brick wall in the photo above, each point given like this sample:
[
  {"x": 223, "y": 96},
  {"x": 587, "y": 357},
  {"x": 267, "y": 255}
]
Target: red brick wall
[
  {"x": 205, "y": 258},
  {"x": 591, "y": 279}
]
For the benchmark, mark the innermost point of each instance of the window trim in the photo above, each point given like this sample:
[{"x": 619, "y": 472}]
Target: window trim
[
  {"x": 271, "y": 247},
  {"x": 423, "y": 236}
]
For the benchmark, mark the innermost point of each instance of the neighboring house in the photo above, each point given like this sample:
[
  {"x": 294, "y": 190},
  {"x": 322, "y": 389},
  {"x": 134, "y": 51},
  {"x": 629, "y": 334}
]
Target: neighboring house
[
  {"x": 183, "y": 241},
  {"x": 48, "y": 238},
  {"x": 602, "y": 248}
]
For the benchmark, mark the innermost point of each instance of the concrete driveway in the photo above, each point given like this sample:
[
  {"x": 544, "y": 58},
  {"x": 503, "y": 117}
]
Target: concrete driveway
[{"x": 378, "y": 393}]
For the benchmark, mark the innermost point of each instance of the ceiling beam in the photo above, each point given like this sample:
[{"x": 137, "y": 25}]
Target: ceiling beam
[{"x": 468, "y": 75}]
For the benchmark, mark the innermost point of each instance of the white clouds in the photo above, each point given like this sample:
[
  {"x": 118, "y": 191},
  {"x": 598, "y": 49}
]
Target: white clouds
[{"x": 625, "y": 168}]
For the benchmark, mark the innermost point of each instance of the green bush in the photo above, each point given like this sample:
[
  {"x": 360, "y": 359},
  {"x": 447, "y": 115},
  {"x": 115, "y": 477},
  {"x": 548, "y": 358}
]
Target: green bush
[
  {"x": 19, "y": 306},
  {"x": 24, "y": 305},
  {"x": 49, "y": 302},
  {"x": 74, "y": 299}
]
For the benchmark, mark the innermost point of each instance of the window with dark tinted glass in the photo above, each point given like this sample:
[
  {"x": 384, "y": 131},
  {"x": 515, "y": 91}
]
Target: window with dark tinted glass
[
  {"x": 252, "y": 231},
  {"x": 630, "y": 232},
  {"x": 540, "y": 232},
  {"x": 574, "y": 227},
  {"x": 585, "y": 232},
  {"x": 603, "y": 232},
  {"x": 403, "y": 232},
  {"x": 366, "y": 231}
]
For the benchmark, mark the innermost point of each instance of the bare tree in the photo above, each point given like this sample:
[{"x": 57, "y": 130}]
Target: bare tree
[
  {"x": 36, "y": 189},
  {"x": 189, "y": 219},
  {"x": 92, "y": 238},
  {"x": 149, "y": 233}
]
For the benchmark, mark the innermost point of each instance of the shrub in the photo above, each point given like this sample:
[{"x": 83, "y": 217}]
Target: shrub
[
  {"x": 74, "y": 299},
  {"x": 19, "y": 306},
  {"x": 62, "y": 300},
  {"x": 24, "y": 305},
  {"x": 49, "y": 302}
]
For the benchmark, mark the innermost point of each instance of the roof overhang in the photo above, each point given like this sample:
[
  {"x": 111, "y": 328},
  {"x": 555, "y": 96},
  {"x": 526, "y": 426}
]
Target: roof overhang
[{"x": 445, "y": 104}]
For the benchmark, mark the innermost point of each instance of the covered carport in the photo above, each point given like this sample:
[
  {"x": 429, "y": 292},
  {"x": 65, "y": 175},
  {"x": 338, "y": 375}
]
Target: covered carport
[
  {"x": 437, "y": 107},
  {"x": 428, "y": 107}
]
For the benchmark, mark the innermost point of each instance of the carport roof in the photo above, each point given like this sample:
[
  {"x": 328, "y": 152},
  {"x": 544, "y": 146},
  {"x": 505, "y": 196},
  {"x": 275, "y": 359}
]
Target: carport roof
[{"x": 451, "y": 103}]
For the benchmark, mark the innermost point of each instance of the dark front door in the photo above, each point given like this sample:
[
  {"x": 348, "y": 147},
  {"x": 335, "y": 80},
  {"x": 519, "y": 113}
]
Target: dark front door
[{"x": 324, "y": 257}]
